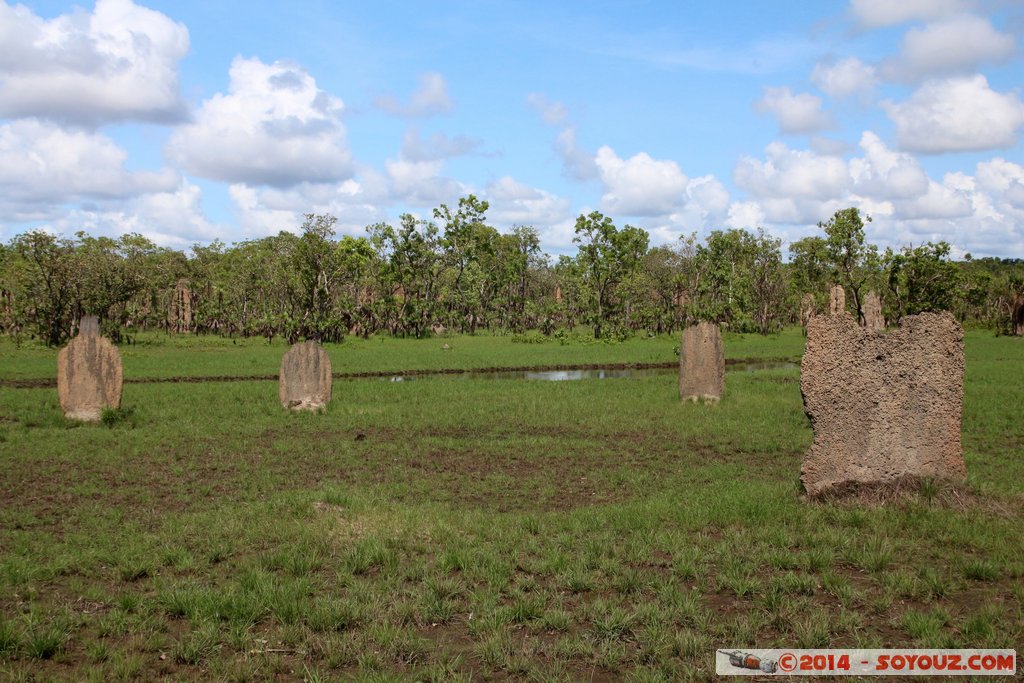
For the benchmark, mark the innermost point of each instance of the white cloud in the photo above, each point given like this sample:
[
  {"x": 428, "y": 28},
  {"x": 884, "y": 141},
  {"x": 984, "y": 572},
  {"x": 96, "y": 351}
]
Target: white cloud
[
  {"x": 957, "y": 114},
  {"x": 795, "y": 174},
  {"x": 41, "y": 162},
  {"x": 268, "y": 210},
  {"x": 878, "y": 13},
  {"x": 707, "y": 200},
  {"x": 704, "y": 205},
  {"x": 274, "y": 127},
  {"x": 515, "y": 203},
  {"x": 118, "y": 63},
  {"x": 658, "y": 190},
  {"x": 745, "y": 215},
  {"x": 830, "y": 147},
  {"x": 554, "y": 113},
  {"x": 429, "y": 99},
  {"x": 437, "y": 146},
  {"x": 967, "y": 212},
  {"x": 421, "y": 183},
  {"x": 942, "y": 200},
  {"x": 1002, "y": 179},
  {"x": 982, "y": 214},
  {"x": 171, "y": 219},
  {"x": 799, "y": 113},
  {"x": 640, "y": 185},
  {"x": 957, "y": 45},
  {"x": 845, "y": 77},
  {"x": 884, "y": 173},
  {"x": 577, "y": 162}
]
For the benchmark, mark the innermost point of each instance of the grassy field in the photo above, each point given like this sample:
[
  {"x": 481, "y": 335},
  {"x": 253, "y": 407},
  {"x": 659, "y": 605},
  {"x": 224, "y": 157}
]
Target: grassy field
[
  {"x": 157, "y": 355},
  {"x": 453, "y": 529}
]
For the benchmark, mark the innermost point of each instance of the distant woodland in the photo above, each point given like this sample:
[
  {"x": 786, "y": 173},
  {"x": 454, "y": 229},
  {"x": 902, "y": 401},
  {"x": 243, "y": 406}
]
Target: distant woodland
[{"x": 456, "y": 273}]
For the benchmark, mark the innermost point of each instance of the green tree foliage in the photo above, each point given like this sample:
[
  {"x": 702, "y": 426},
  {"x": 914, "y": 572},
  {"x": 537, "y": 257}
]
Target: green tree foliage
[
  {"x": 412, "y": 266},
  {"x": 741, "y": 280},
  {"x": 855, "y": 263},
  {"x": 457, "y": 272},
  {"x": 810, "y": 268},
  {"x": 767, "y": 282},
  {"x": 921, "y": 279},
  {"x": 45, "y": 280},
  {"x": 607, "y": 256}
]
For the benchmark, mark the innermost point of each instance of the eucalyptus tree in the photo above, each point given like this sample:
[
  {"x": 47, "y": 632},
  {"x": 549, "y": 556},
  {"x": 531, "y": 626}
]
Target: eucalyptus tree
[
  {"x": 606, "y": 255},
  {"x": 512, "y": 267},
  {"x": 855, "y": 263},
  {"x": 355, "y": 295},
  {"x": 411, "y": 278},
  {"x": 723, "y": 289},
  {"x": 207, "y": 276},
  {"x": 466, "y": 240},
  {"x": 810, "y": 268},
  {"x": 767, "y": 282},
  {"x": 921, "y": 279},
  {"x": 114, "y": 271},
  {"x": 571, "y": 294},
  {"x": 651, "y": 291},
  {"x": 45, "y": 278}
]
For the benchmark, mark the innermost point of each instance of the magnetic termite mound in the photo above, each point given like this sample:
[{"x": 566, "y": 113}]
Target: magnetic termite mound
[
  {"x": 305, "y": 379},
  {"x": 701, "y": 363},
  {"x": 89, "y": 374},
  {"x": 884, "y": 406}
]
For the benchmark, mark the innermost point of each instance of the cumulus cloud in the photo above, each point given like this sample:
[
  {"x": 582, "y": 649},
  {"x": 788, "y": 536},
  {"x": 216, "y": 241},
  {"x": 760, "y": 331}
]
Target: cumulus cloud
[
  {"x": 982, "y": 214},
  {"x": 119, "y": 62},
  {"x": 845, "y": 77},
  {"x": 956, "y": 115},
  {"x": 964, "y": 212},
  {"x": 273, "y": 127},
  {"x": 640, "y": 185},
  {"x": 41, "y": 162},
  {"x": 789, "y": 173},
  {"x": 421, "y": 183},
  {"x": 879, "y": 13},
  {"x": 554, "y": 113},
  {"x": 745, "y": 215},
  {"x": 956, "y": 45},
  {"x": 706, "y": 199},
  {"x": 884, "y": 173},
  {"x": 515, "y": 203},
  {"x": 437, "y": 146},
  {"x": 429, "y": 99},
  {"x": 795, "y": 187},
  {"x": 268, "y": 210},
  {"x": 172, "y": 218},
  {"x": 577, "y": 162},
  {"x": 796, "y": 113},
  {"x": 1002, "y": 179},
  {"x": 949, "y": 199}
]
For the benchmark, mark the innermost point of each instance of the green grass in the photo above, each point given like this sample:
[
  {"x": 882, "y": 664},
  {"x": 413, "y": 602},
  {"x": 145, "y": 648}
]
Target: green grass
[
  {"x": 160, "y": 355},
  {"x": 523, "y": 529}
]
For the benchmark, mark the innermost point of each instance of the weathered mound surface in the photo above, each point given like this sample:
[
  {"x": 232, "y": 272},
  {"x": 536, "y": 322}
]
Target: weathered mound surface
[
  {"x": 836, "y": 300},
  {"x": 701, "y": 363},
  {"x": 884, "y": 406},
  {"x": 89, "y": 374},
  {"x": 873, "y": 318},
  {"x": 305, "y": 379}
]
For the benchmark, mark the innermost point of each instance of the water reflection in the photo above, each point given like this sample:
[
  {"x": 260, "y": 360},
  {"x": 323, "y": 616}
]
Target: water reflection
[{"x": 602, "y": 373}]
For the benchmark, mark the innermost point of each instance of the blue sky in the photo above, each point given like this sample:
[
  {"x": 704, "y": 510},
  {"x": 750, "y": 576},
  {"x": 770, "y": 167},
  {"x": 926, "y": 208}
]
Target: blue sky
[{"x": 191, "y": 121}]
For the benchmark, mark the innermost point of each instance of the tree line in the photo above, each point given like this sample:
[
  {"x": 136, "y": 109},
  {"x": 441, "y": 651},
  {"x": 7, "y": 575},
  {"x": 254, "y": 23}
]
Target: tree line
[{"x": 455, "y": 272}]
